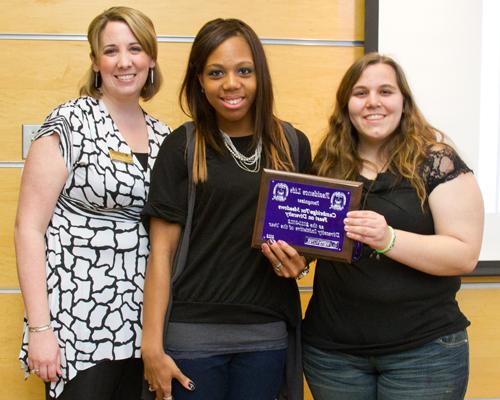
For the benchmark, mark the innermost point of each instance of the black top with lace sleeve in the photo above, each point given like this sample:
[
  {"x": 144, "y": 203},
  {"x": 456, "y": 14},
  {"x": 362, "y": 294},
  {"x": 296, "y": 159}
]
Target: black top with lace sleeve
[
  {"x": 441, "y": 166},
  {"x": 380, "y": 306}
]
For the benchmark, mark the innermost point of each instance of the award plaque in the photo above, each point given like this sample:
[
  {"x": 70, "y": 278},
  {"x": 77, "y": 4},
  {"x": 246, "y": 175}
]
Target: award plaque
[{"x": 307, "y": 212}]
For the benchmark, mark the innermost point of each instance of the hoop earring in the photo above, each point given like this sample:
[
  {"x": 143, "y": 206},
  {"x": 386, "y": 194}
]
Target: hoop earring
[
  {"x": 152, "y": 76},
  {"x": 97, "y": 79}
]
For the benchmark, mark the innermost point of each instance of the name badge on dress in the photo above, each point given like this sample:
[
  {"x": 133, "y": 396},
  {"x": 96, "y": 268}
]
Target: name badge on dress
[{"x": 122, "y": 157}]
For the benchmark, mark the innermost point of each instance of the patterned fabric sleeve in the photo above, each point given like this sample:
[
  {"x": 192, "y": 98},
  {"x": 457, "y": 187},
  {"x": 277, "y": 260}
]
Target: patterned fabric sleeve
[
  {"x": 60, "y": 122},
  {"x": 442, "y": 165}
]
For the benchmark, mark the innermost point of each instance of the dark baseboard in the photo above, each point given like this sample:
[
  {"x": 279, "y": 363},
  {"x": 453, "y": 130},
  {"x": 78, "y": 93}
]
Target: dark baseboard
[
  {"x": 371, "y": 25},
  {"x": 486, "y": 268}
]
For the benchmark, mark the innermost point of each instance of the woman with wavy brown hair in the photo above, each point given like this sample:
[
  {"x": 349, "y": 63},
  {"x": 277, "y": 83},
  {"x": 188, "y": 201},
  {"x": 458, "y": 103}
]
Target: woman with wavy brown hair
[{"x": 387, "y": 326}]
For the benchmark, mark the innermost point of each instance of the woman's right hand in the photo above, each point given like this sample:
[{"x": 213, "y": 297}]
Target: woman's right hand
[
  {"x": 44, "y": 355},
  {"x": 159, "y": 368},
  {"x": 159, "y": 371}
]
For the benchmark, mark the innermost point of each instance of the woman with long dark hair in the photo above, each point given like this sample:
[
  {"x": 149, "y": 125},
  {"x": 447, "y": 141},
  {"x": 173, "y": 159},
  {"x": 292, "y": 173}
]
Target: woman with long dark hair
[{"x": 232, "y": 313}]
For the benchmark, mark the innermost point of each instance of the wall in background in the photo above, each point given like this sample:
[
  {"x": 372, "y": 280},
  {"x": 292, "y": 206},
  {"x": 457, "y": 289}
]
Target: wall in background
[{"x": 308, "y": 48}]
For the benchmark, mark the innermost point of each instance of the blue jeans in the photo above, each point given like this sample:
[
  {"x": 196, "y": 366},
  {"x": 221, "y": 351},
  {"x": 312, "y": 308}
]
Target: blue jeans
[
  {"x": 241, "y": 376},
  {"x": 438, "y": 370}
]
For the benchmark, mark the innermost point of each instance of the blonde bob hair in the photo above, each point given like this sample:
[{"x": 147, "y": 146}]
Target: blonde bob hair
[{"x": 142, "y": 28}]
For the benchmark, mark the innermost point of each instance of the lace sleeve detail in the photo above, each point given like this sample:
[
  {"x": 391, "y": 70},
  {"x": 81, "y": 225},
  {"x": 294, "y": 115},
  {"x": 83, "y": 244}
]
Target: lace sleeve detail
[{"x": 441, "y": 166}]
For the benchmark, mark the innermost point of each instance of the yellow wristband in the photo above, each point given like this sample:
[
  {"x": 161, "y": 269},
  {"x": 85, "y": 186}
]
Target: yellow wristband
[{"x": 391, "y": 242}]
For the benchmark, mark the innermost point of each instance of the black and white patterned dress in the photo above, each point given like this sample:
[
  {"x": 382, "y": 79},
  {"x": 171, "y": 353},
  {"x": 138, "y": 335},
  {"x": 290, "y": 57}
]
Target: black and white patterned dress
[{"x": 96, "y": 246}]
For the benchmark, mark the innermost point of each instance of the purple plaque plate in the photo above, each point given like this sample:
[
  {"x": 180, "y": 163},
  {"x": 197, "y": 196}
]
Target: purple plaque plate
[{"x": 307, "y": 212}]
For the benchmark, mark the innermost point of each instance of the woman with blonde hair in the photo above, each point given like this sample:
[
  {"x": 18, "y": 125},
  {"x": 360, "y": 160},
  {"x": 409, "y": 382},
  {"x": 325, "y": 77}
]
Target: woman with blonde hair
[
  {"x": 388, "y": 326},
  {"x": 80, "y": 245}
]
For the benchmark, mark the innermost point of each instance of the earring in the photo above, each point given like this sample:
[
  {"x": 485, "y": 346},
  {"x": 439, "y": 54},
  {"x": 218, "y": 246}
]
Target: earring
[
  {"x": 152, "y": 76},
  {"x": 97, "y": 79}
]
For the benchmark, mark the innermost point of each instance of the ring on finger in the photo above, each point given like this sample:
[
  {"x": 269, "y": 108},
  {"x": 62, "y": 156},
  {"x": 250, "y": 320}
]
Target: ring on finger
[
  {"x": 278, "y": 266},
  {"x": 35, "y": 371}
]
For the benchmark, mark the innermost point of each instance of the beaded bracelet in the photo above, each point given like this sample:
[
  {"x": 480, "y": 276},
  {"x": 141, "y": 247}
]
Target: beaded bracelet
[
  {"x": 304, "y": 272},
  {"x": 36, "y": 329},
  {"x": 306, "y": 269},
  {"x": 391, "y": 242}
]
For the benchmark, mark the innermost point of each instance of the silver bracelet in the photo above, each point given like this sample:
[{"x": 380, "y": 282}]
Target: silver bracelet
[
  {"x": 36, "y": 329},
  {"x": 304, "y": 272}
]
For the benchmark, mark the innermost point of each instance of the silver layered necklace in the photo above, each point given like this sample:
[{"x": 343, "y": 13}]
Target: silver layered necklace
[{"x": 249, "y": 164}]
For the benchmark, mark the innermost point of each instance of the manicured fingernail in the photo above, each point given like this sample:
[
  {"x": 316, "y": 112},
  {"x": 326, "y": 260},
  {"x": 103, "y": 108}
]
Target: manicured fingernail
[
  {"x": 271, "y": 241},
  {"x": 191, "y": 386}
]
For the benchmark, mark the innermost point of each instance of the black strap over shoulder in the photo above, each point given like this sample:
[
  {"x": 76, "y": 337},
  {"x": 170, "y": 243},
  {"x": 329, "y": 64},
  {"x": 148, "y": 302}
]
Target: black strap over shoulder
[
  {"x": 293, "y": 142},
  {"x": 181, "y": 254},
  {"x": 182, "y": 250}
]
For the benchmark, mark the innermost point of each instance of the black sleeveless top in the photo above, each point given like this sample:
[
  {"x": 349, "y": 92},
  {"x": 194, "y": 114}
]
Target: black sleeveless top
[{"x": 377, "y": 306}]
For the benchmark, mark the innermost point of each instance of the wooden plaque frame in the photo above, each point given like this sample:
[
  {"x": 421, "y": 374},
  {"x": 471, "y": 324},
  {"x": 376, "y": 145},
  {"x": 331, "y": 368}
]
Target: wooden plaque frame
[{"x": 321, "y": 183}]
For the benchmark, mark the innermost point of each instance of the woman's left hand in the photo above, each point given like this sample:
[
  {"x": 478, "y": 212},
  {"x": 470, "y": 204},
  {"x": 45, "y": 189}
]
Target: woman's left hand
[
  {"x": 367, "y": 227},
  {"x": 286, "y": 261}
]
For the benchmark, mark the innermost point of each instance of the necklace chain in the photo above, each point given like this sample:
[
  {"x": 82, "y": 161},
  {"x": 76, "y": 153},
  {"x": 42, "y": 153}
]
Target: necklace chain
[{"x": 249, "y": 164}]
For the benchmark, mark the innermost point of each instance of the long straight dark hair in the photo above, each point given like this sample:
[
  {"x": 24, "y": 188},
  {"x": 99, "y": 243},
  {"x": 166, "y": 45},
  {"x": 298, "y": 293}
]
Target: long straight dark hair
[{"x": 195, "y": 104}]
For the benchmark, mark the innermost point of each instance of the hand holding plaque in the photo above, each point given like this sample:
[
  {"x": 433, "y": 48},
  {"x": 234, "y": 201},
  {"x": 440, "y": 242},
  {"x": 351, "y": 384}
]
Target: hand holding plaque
[{"x": 307, "y": 212}]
